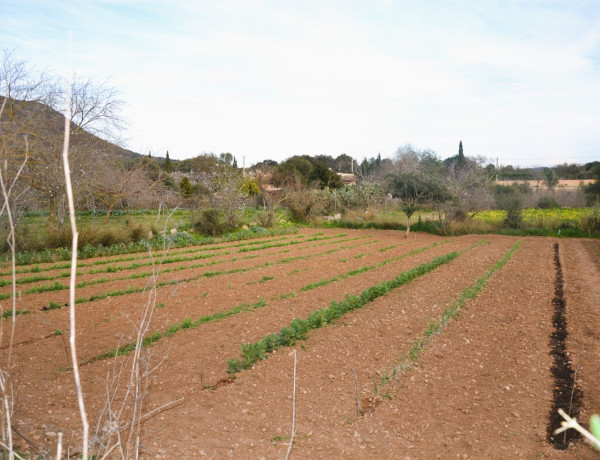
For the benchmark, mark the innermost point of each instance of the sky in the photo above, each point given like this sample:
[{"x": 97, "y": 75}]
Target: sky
[{"x": 517, "y": 80}]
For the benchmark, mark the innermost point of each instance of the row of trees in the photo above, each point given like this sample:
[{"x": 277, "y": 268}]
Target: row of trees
[{"x": 565, "y": 171}]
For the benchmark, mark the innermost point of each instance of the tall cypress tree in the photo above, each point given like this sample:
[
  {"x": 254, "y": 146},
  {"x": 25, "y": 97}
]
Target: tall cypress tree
[
  {"x": 461, "y": 156},
  {"x": 168, "y": 167}
]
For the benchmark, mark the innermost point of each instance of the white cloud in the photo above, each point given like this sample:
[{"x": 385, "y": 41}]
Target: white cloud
[{"x": 263, "y": 79}]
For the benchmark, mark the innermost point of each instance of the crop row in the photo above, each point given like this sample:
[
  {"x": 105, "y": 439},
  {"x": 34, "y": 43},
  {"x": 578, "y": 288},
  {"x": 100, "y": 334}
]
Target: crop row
[
  {"x": 148, "y": 256},
  {"x": 244, "y": 307},
  {"x": 419, "y": 344},
  {"x": 298, "y": 328},
  {"x": 138, "y": 289},
  {"x": 57, "y": 286},
  {"x": 149, "y": 260},
  {"x": 159, "y": 242},
  {"x": 367, "y": 268}
]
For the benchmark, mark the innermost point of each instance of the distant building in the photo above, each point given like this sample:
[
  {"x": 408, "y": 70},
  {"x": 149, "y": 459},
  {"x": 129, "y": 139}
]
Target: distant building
[
  {"x": 347, "y": 179},
  {"x": 539, "y": 184}
]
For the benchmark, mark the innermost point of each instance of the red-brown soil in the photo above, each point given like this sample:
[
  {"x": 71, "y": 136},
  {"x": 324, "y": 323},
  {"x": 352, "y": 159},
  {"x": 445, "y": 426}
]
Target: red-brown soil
[{"x": 482, "y": 388}]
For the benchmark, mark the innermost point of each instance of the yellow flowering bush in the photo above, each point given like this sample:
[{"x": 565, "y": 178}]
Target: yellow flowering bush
[{"x": 535, "y": 217}]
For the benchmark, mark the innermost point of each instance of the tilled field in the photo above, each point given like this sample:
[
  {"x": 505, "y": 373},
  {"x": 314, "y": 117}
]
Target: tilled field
[{"x": 467, "y": 351}]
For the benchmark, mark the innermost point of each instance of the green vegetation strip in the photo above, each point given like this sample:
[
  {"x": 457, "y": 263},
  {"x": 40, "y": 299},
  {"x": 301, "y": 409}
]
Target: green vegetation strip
[
  {"x": 159, "y": 242},
  {"x": 330, "y": 251},
  {"x": 136, "y": 290},
  {"x": 298, "y": 328},
  {"x": 175, "y": 257},
  {"x": 368, "y": 267},
  {"x": 417, "y": 346},
  {"x": 187, "y": 323},
  {"x": 57, "y": 286},
  {"x": 8, "y": 313}
]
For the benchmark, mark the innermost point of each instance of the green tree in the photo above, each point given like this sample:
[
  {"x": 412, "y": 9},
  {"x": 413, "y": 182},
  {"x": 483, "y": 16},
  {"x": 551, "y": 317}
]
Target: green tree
[
  {"x": 226, "y": 158},
  {"x": 250, "y": 186},
  {"x": 200, "y": 163},
  {"x": 460, "y": 162},
  {"x": 511, "y": 200},
  {"x": 343, "y": 163},
  {"x": 292, "y": 170},
  {"x": 186, "y": 189},
  {"x": 592, "y": 191},
  {"x": 416, "y": 191},
  {"x": 550, "y": 179},
  {"x": 168, "y": 167},
  {"x": 307, "y": 170}
]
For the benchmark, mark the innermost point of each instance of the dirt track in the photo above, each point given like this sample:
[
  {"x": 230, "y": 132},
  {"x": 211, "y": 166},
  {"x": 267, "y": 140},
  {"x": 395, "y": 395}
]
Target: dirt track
[{"x": 483, "y": 388}]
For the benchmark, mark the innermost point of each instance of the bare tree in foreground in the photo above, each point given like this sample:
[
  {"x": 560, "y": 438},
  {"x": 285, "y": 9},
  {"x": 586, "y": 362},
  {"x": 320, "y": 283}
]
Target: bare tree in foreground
[
  {"x": 122, "y": 432},
  {"x": 33, "y": 114}
]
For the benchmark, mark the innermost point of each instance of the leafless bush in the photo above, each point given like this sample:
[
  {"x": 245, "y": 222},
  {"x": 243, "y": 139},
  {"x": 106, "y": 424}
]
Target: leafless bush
[
  {"x": 564, "y": 198},
  {"x": 119, "y": 422},
  {"x": 6, "y": 390}
]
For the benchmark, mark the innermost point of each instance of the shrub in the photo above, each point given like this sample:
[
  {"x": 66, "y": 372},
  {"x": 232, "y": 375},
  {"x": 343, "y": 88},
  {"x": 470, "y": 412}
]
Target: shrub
[
  {"x": 514, "y": 217},
  {"x": 590, "y": 223},
  {"x": 512, "y": 203},
  {"x": 136, "y": 233},
  {"x": 547, "y": 202},
  {"x": 211, "y": 222}
]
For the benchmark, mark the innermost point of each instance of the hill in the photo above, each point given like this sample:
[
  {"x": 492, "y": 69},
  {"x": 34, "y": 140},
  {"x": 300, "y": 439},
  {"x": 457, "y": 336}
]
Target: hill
[{"x": 40, "y": 121}]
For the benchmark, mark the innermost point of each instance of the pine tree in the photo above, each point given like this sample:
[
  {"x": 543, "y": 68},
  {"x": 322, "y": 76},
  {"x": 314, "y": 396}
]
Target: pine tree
[
  {"x": 168, "y": 167},
  {"x": 234, "y": 163}
]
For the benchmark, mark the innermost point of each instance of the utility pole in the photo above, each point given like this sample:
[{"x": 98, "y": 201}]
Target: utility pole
[{"x": 496, "y": 169}]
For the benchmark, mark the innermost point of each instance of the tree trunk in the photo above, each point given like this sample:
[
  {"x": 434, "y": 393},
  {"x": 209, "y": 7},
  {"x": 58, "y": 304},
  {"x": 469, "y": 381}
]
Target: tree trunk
[
  {"x": 108, "y": 211},
  {"x": 407, "y": 226},
  {"x": 52, "y": 213}
]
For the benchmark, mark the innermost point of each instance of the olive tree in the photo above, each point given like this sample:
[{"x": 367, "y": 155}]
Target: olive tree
[{"x": 416, "y": 191}]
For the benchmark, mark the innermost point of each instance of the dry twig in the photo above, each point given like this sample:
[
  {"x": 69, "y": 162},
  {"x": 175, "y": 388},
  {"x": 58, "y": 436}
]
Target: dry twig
[
  {"x": 572, "y": 423},
  {"x": 356, "y": 389}
]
